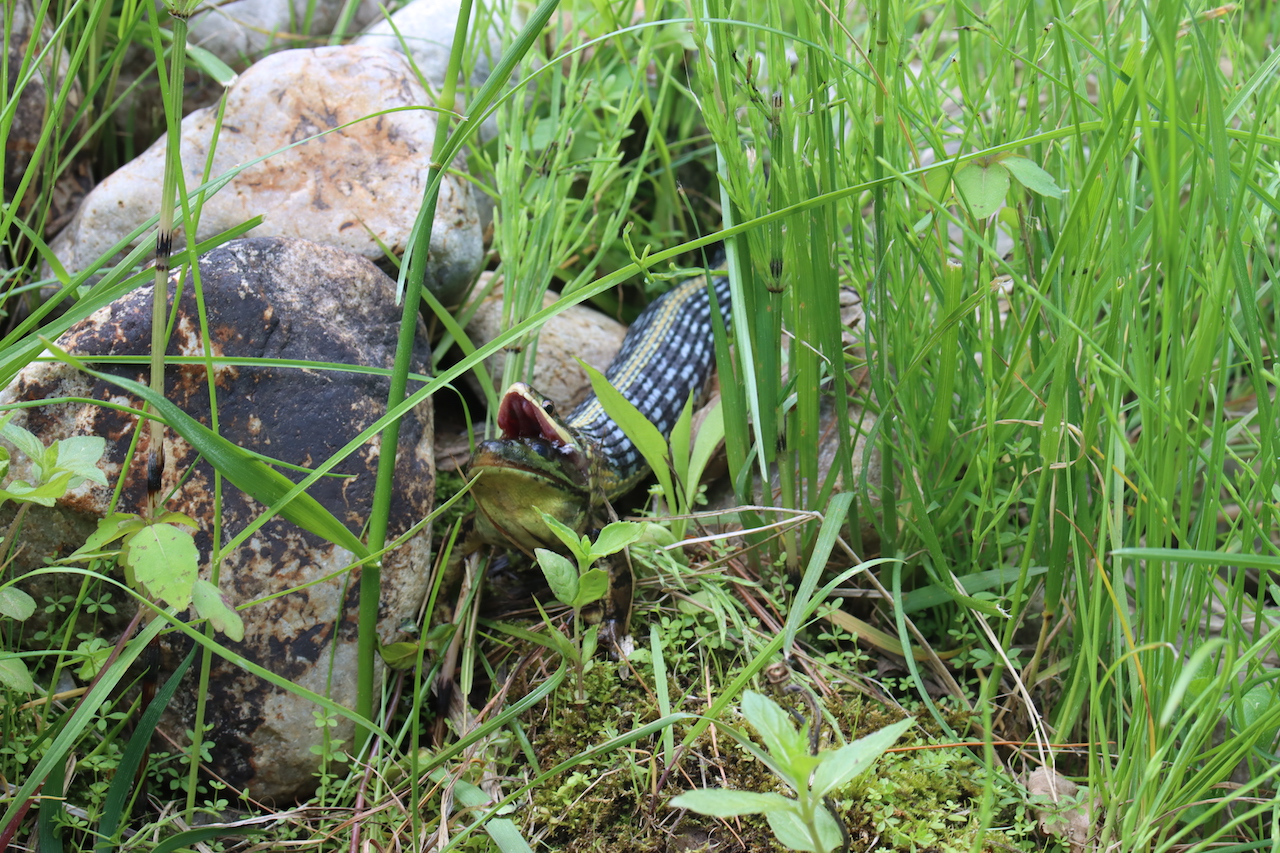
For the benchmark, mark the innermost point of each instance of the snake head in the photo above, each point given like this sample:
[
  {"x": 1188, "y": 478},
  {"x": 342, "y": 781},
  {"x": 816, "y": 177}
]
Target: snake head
[{"x": 526, "y": 414}]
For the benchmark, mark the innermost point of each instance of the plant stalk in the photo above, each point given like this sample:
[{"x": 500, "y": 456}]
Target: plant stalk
[{"x": 419, "y": 248}]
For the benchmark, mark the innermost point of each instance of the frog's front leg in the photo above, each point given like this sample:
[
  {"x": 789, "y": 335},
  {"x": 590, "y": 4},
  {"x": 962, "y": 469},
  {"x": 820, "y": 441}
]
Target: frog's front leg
[{"x": 613, "y": 612}]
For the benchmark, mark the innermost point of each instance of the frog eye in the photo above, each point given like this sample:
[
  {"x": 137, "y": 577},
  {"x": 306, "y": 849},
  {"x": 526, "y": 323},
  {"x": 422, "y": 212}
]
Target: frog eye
[{"x": 548, "y": 407}]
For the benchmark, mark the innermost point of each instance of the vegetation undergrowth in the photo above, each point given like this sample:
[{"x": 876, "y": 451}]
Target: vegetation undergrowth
[{"x": 997, "y": 404}]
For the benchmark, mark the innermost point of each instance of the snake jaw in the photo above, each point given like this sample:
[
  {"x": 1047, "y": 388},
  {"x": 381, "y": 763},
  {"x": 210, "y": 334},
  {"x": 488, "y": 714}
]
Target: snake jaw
[
  {"x": 521, "y": 416},
  {"x": 526, "y": 414}
]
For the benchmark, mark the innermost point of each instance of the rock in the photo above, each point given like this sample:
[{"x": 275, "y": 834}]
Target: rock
[
  {"x": 357, "y": 188},
  {"x": 1064, "y": 809},
  {"x": 265, "y": 298},
  {"x": 32, "y": 106},
  {"x": 425, "y": 29},
  {"x": 578, "y": 332},
  {"x": 241, "y": 31}
]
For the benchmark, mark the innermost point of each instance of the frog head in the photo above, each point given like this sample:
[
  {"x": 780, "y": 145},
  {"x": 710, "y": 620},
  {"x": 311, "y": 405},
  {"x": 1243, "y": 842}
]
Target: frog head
[{"x": 539, "y": 462}]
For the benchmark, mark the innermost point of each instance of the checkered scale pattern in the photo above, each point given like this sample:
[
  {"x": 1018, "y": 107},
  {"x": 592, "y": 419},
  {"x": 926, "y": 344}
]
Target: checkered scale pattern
[{"x": 667, "y": 355}]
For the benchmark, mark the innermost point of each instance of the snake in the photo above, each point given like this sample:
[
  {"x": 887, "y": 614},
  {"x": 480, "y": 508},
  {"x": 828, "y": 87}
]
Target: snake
[{"x": 570, "y": 467}]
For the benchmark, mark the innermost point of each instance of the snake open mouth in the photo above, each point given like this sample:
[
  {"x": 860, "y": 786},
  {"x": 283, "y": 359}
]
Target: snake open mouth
[{"x": 520, "y": 417}]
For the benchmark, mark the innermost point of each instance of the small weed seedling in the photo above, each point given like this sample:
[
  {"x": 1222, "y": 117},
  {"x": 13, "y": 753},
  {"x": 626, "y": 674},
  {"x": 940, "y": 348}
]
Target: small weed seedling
[
  {"x": 803, "y": 823},
  {"x": 583, "y": 584},
  {"x": 56, "y": 469}
]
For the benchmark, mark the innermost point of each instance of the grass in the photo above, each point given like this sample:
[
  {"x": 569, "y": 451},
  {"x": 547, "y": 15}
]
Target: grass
[{"x": 1060, "y": 220}]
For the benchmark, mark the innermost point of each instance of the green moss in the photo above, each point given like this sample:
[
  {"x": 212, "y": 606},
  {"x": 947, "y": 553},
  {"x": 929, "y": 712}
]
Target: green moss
[{"x": 918, "y": 800}]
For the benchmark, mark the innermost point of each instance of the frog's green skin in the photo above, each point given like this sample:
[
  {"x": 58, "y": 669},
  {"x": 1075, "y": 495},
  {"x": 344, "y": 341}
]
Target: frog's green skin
[
  {"x": 571, "y": 467},
  {"x": 560, "y": 476}
]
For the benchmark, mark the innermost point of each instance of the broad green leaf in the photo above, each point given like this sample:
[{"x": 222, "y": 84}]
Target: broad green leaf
[
  {"x": 1032, "y": 177},
  {"x": 503, "y": 832},
  {"x": 982, "y": 187},
  {"x": 110, "y": 528},
  {"x": 723, "y": 802},
  {"x": 15, "y": 603},
  {"x": 172, "y": 517},
  {"x": 165, "y": 563},
  {"x": 79, "y": 455},
  {"x": 93, "y": 656},
  {"x": 590, "y": 639},
  {"x": 842, "y": 765},
  {"x": 1257, "y": 702},
  {"x": 651, "y": 443},
  {"x": 565, "y": 534},
  {"x": 562, "y": 575},
  {"x": 24, "y": 440},
  {"x": 402, "y": 655},
  {"x": 659, "y": 537},
  {"x": 680, "y": 435},
  {"x": 777, "y": 729},
  {"x": 211, "y": 65},
  {"x": 44, "y": 494},
  {"x": 592, "y": 586},
  {"x": 780, "y": 769},
  {"x": 4, "y": 462},
  {"x": 615, "y": 537},
  {"x": 710, "y": 434},
  {"x": 937, "y": 183},
  {"x": 247, "y": 473},
  {"x": 15, "y": 676},
  {"x": 656, "y": 535},
  {"x": 789, "y": 828},
  {"x": 211, "y": 604},
  {"x": 1202, "y": 676},
  {"x": 47, "y": 463},
  {"x": 439, "y": 636}
]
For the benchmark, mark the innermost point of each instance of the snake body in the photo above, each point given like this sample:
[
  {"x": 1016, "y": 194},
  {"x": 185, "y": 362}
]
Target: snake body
[{"x": 667, "y": 356}]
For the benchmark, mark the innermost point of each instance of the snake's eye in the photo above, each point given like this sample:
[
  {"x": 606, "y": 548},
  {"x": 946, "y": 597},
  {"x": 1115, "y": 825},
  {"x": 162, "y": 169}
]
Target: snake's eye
[{"x": 548, "y": 407}]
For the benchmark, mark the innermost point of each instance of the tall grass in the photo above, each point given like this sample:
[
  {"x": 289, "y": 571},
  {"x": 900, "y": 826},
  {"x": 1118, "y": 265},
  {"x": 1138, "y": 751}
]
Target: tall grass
[{"x": 1070, "y": 388}]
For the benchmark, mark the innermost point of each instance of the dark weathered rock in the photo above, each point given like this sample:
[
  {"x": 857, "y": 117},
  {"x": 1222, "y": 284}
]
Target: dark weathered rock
[
  {"x": 265, "y": 298},
  {"x": 356, "y": 188}
]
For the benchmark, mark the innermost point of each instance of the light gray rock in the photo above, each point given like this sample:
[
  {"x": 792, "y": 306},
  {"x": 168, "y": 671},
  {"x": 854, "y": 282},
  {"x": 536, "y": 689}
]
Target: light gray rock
[
  {"x": 425, "y": 29},
  {"x": 357, "y": 188},
  {"x": 241, "y": 31},
  {"x": 578, "y": 332},
  {"x": 265, "y": 298}
]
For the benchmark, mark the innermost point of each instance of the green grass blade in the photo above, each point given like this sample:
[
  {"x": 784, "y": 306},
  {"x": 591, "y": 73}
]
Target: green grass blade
[{"x": 131, "y": 758}]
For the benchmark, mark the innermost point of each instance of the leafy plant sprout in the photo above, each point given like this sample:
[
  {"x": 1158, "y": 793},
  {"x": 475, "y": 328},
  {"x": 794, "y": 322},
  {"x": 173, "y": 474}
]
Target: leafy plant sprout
[
  {"x": 582, "y": 584},
  {"x": 805, "y": 822}
]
